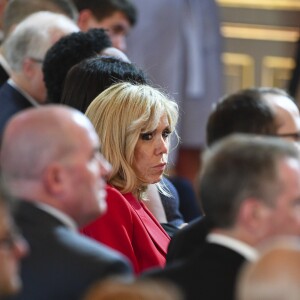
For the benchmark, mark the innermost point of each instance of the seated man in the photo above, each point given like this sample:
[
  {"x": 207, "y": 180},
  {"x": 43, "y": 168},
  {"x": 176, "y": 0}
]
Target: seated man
[
  {"x": 51, "y": 162},
  {"x": 24, "y": 51},
  {"x": 249, "y": 189},
  {"x": 263, "y": 111}
]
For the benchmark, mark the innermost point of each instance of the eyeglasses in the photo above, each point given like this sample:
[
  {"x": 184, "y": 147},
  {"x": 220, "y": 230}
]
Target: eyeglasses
[{"x": 293, "y": 135}]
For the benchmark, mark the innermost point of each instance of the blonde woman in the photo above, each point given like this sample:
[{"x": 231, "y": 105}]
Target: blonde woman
[{"x": 134, "y": 123}]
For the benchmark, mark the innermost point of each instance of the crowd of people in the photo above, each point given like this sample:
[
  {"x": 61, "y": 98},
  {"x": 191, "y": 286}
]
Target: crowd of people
[{"x": 125, "y": 174}]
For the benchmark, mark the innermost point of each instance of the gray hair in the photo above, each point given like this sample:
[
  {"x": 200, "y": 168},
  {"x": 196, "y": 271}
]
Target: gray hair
[
  {"x": 34, "y": 36},
  {"x": 238, "y": 167},
  {"x": 18, "y": 10}
]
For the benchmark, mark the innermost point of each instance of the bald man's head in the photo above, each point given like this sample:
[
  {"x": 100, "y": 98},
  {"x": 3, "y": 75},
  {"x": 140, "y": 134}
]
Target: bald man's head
[
  {"x": 36, "y": 137},
  {"x": 50, "y": 154}
]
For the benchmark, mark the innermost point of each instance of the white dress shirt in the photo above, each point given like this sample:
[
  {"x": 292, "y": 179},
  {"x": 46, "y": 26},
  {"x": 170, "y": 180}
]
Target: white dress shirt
[
  {"x": 240, "y": 247},
  {"x": 65, "y": 219}
]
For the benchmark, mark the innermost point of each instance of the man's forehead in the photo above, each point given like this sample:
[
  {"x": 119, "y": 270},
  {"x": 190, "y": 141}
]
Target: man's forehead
[{"x": 281, "y": 101}]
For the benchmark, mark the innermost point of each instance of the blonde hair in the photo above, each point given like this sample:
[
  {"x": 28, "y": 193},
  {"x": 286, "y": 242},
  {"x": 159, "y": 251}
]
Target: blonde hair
[{"x": 120, "y": 114}]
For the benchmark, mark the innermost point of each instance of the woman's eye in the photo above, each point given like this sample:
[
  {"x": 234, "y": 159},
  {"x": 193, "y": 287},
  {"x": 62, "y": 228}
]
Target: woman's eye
[
  {"x": 166, "y": 133},
  {"x": 146, "y": 136}
]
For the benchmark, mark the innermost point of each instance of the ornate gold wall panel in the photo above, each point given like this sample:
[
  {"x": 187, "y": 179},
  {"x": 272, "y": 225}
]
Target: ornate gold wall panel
[
  {"x": 239, "y": 70},
  {"x": 257, "y": 32},
  {"x": 262, "y": 4},
  {"x": 259, "y": 42},
  {"x": 276, "y": 70}
]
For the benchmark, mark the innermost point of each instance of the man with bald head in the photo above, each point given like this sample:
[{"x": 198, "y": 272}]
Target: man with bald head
[{"x": 50, "y": 160}]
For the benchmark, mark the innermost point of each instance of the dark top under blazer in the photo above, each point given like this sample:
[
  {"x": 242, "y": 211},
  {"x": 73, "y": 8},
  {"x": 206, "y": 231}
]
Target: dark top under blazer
[
  {"x": 3, "y": 75},
  {"x": 208, "y": 275},
  {"x": 11, "y": 102},
  {"x": 62, "y": 263}
]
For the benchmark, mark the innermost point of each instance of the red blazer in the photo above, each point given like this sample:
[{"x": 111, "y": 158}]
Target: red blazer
[{"x": 129, "y": 227}]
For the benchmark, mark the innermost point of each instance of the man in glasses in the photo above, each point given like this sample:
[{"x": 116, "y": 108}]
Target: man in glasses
[
  {"x": 260, "y": 111},
  {"x": 24, "y": 51},
  {"x": 286, "y": 113},
  {"x": 264, "y": 111}
]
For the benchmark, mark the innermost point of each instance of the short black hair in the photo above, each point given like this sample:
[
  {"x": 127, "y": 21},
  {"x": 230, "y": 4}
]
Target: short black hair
[
  {"x": 241, "y": 112},
  {"x": 105, "y": 8},
  {"x": 86, "y": 80},
  {"x": 67, "y": 52}
]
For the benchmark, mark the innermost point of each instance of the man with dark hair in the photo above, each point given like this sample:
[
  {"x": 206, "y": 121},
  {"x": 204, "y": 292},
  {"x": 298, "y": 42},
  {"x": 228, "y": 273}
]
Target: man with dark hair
[
  {"x": 245, "y": 112},
  {"x": 249, "y": 189},
  {"x": 262, "y": 111},
  {"x": 66, "y": 53},
  {"x": 116, "y": 16}
]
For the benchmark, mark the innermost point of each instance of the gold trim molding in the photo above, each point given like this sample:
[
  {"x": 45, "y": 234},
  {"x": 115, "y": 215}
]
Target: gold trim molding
[
  {"x": 262, "y": 4},
  {"x": 276, "y": 70},
  {"x": 244, "y": 63},
  {"x": 256, "y": 32}
]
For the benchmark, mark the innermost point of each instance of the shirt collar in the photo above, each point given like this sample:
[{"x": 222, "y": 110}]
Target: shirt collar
[
  {"x": 64, "y": 218},
  {"x": 21, "y": 91},
  {"x": 238, "y": 246}
]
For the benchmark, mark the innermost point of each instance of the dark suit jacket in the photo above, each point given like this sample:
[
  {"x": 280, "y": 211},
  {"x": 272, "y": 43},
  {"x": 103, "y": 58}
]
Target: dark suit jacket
[
  {"x": 208, "y": 275},
  {"x": 187, "y": 240},
  {"x": 11, "y": 102},
  {"x": 62, "y": 263},
  {"x": 3, "y": 75}
]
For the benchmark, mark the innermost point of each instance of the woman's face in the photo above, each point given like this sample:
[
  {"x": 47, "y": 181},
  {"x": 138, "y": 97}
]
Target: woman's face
[{"x": 150, "y": 153}]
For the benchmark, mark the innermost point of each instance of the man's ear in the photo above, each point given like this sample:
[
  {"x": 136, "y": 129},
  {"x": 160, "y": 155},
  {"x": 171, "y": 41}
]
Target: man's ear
[
  {"x": 28, "y": 68},
  {"x": 55, "y": 179},
  {"x": 85, "y": 20},
  {"x": 253, "y": 214}
]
